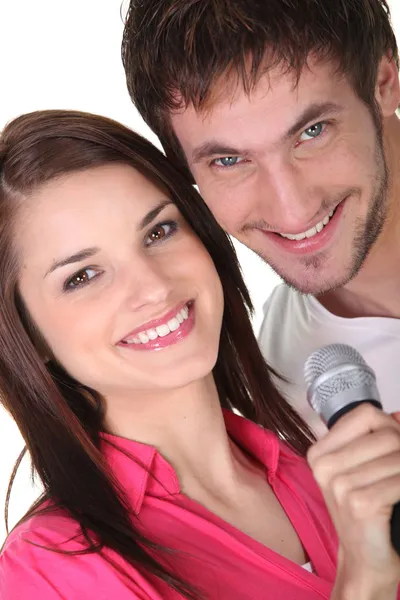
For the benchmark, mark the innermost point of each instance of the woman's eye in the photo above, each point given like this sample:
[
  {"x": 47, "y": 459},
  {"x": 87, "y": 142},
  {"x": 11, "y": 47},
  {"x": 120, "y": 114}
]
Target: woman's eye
[
  {"x": 81, "y": 278},
  {"x": 161, "y": 232},
  {"x": 227, "y": 161},
  {"x": 312, "y": 132}
]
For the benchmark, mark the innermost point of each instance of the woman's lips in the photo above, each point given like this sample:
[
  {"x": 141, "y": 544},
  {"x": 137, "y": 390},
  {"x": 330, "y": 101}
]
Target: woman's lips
[{"x": 160, "y": 333}]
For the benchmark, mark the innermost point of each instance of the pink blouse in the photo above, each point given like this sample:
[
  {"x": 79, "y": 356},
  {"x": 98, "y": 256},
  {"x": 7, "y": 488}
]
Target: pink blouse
[{"x": 214, "y": 556}]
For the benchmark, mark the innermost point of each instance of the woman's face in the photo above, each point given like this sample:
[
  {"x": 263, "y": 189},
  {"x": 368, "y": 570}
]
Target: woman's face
[{"x": 125, "y": 295}]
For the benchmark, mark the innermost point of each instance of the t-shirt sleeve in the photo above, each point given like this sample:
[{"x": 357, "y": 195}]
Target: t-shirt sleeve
[
  {"x": 268, "y": 302},
  {"x": 271, "y": 324}
]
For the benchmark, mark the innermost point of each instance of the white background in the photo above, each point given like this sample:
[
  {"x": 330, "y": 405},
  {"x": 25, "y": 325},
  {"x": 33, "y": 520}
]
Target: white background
[{"x": 57, "y": 54}]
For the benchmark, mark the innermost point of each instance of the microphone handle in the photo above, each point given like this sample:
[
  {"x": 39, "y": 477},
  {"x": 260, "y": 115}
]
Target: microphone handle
[
  {"x": 395, "y": 518},
  {"x": 395, "y": 527},
  {"x": 347, "y": 408}
]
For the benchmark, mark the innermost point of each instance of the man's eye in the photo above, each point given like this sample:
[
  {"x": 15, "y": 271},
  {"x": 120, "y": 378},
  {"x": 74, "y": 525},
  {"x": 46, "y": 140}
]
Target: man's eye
[
  {"x": 227, "y": 161},
  {"x": 79, "y": 279},
  {"x": 312, "y": 132},
  {"x": 161, "y": 232}
]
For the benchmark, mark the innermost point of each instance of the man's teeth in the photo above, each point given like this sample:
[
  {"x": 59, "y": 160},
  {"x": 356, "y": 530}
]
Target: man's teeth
[
  {"x": 311, "y": 232},
  {"x": 143, "y": 337}
]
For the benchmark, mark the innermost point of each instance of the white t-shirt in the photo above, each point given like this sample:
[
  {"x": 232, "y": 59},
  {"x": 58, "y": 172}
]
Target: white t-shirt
[{"x": 296, "y": 325}]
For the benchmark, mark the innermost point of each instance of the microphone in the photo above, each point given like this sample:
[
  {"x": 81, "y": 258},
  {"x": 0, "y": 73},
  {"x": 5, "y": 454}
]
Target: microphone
[{"x": 338, "y": 379}]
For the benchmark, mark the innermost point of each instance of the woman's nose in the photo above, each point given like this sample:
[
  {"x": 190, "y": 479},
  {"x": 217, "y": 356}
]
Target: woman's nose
[{"x": 148, "y": 283}]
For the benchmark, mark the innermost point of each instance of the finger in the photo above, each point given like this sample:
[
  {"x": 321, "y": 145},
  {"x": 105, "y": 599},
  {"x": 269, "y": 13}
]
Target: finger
[
  {"x": 360, "y": 421},
  {"x": 373, "y": 501},
  {"x": 368, "y": 474},
  {"x": 368, "y": 448}
]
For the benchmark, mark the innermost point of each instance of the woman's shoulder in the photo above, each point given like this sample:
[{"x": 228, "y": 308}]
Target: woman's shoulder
[
  {"x": 44, "y": 558},
  {"x": 50, "y": 527},
  {"x": 27, "y": 567}
]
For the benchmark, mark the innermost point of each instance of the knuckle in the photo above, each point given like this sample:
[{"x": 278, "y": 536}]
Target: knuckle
[
  {"x": 358, "y": 503},
  {"x": 312, "y": 455},
  {"x": 322, "y": 469},
  {"x": 340, "y": 486},
  {"x": 384, "y": 441},
  {"x": 391, "y": 438}
]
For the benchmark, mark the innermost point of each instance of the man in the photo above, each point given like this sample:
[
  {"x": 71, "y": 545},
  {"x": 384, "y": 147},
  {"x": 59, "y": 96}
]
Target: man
[{"x": 283, "y": 113}]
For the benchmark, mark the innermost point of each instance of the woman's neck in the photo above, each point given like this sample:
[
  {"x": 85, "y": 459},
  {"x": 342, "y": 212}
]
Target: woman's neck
[{"x": 187, "y": 427}]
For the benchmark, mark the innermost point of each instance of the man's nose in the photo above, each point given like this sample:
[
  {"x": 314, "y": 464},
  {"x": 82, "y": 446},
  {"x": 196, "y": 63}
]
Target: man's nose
[{"x": 288, "y": 201}]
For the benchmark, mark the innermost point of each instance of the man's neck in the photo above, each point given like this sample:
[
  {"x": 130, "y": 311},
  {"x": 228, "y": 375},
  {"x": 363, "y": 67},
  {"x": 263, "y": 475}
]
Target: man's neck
[
  {"x": 381, "y": 299},
  {"x": 375, "y": 291}
]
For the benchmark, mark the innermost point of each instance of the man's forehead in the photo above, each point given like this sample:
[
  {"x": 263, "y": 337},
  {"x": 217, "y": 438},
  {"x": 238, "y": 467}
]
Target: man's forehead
[
  {"x": 229, "y": 89},
  {"x": 277, "y": 108}
]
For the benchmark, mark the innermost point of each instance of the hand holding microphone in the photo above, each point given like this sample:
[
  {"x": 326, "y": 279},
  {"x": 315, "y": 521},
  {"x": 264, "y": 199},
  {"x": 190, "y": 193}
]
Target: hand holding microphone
[{"x": 357, "y": 466}]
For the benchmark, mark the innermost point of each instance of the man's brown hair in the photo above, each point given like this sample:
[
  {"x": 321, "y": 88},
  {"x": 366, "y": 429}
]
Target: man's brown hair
[{"x": 174, "y": 51}]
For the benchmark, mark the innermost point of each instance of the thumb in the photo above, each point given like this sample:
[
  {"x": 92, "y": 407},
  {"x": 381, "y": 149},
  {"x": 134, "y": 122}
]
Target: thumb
[{"x": 396, "y": 416}]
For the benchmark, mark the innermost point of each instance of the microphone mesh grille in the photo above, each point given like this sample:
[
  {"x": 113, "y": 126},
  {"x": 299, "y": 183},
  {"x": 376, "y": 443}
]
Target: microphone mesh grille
[{"x": 332, "y": 357}]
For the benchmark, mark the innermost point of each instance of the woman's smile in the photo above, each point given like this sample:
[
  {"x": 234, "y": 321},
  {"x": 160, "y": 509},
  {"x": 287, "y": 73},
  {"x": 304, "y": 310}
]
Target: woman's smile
[{"x": 162, "y": 332}]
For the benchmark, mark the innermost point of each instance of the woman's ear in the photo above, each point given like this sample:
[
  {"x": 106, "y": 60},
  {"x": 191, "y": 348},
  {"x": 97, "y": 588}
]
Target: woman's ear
[{"x": 387, "y": 89}]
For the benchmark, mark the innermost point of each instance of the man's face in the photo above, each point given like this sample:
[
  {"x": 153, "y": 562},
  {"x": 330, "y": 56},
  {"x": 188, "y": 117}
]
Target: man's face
[{"x": 295, "y": 172}]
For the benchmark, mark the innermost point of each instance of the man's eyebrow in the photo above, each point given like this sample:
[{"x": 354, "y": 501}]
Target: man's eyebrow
[
  {"x": 213, "y": 148},
  {"x": 74, "y": 258},
  {"x": 310, "y": 114},
  {"x": 153, "y": 213},
  {"x": 89, "y": 252}
]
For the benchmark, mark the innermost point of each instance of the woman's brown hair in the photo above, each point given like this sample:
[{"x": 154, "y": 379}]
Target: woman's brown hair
[{"x": 60, "y": 419}]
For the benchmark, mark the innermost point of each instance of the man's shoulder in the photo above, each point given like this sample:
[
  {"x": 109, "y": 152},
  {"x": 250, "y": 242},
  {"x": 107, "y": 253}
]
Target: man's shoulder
[
  {"x": 285, "y": 307},
  {"x": 287, "y": 331},
  {"x": 281, "y": 293}
]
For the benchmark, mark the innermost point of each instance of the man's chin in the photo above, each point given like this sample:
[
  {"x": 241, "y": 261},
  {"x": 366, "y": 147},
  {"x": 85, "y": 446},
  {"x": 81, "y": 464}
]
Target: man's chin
[{"x": 315, "y": 285}]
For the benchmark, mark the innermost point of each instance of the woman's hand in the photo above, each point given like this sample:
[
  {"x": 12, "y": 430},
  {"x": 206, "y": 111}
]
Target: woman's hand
[{"x": 357, "y": 467}]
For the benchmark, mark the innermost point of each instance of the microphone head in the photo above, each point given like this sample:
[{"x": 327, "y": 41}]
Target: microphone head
[{"x": 337, "y": 376}]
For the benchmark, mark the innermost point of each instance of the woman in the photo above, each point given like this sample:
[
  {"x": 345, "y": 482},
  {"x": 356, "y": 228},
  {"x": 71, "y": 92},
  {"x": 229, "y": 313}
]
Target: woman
[{"x": 126, "y": 348}]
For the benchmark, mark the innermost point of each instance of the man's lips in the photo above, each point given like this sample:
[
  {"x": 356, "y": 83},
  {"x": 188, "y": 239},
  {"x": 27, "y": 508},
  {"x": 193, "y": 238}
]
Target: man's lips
[{"x": 309, "y": 245}]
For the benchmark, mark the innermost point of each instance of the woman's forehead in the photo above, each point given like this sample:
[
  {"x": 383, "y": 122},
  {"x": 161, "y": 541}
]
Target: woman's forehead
[{"x": 79, "y": 207}]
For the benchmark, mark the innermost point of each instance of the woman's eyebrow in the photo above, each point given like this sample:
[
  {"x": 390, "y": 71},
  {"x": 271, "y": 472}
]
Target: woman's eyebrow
[
  {"x": 89, "y": 252},
  {"x": 77, "y": 257},
  {"x": 152, "y": 214}
]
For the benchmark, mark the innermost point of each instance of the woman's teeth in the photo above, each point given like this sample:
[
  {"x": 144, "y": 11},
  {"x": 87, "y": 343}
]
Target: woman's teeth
[
  {"x": 311, "y": 232},
  {"x": 143, "y": 337}
]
